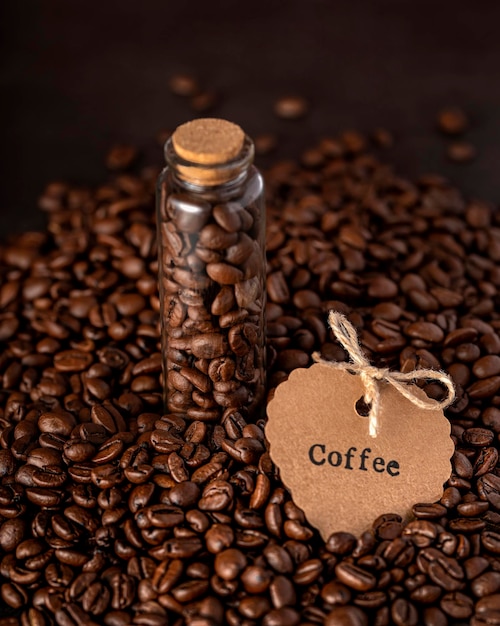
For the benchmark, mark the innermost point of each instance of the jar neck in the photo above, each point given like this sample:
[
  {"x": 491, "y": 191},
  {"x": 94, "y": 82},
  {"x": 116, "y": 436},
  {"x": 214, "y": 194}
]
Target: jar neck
[{"x": 201, "y": 178}]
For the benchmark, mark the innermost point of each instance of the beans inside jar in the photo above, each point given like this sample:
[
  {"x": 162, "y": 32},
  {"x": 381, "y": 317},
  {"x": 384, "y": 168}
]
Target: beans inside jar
[{"x": 211, "y": 221}]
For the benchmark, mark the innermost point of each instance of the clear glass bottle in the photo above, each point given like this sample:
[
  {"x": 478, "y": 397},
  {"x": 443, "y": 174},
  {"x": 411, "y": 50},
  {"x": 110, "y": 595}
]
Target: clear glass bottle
[{"x": 211, "y": 240}]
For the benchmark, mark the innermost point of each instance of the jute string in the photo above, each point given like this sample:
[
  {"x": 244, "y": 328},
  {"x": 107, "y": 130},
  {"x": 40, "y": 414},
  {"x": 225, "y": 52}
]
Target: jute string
[{"x": 371, "y": 376}]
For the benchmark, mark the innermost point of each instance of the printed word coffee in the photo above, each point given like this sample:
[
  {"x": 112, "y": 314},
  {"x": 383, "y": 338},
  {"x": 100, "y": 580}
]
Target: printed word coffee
[{"x": 319, "y": 455}]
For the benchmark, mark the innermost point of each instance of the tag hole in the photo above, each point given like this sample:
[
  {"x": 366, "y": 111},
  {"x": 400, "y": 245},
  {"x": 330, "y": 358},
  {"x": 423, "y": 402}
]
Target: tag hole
[{"x": 362, "y": 408}]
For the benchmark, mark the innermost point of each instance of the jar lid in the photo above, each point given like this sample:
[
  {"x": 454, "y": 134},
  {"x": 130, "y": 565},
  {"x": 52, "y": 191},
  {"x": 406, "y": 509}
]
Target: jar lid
[{"x": 208, "y": 141}]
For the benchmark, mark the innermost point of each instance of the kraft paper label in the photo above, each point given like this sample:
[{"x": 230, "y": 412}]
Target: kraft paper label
[{"x": 337, "y": 474}]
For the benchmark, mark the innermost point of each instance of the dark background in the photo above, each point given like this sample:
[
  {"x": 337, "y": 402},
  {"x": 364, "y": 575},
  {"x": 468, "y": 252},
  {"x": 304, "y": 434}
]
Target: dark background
[{"x": 77, "y": 76}]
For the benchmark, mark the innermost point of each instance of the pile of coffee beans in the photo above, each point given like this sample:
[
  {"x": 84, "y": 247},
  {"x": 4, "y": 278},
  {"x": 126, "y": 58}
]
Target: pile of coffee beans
[{"x": 112, "y": 513}]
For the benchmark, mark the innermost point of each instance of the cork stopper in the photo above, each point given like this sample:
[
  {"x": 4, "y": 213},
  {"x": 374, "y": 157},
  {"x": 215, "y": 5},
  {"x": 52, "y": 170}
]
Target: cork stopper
[{"x": 208, "y": 142}]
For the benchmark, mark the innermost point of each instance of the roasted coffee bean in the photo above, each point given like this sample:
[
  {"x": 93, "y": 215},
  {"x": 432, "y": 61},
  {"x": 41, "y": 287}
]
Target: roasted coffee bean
[
  {"x": 461, "y": 151},
  {"x": 219, "y": 537},
  {"x": 216, "y": 496},
  {"x": 355, "y": 577},
  {"x": 486, "y": 584},
  {"x": 184, "y": 494},
  {"x": 95, "y": 599},
  {"x": 120, "y": 157},
  {"x": 491, "y": 541},
  {"x": 164, "y": 516},
  {"x": 346, "y": 616},
  {"x": 11, "y": 534},
  {"x": 457, "y": 605},
  {"x": 43, "y": 497},
  {"x": 72, "y": 361},
  {"x": 429, "y": 511},
  {"x": 404, "y": 613},
  {"x": 426, "y": 594},
  {"x": 58, "y": 575},
  {"x": 183, "y": 85},
  {"x": 291, "y": 107},
  {"x": 166, "y": 575},
  {"x": 49, "y": 476},
  {"x": 13, "y": 595},
  {"x": 280, "y": 617},
  {"x": 421, "y": 533},
  {"x": 452, "y": 121},
  {"x": 265, "y": 143},
  {"x": 108, "y": 417},
  {"x": 229, "y": 563},
  {"x": 282, "y": 592},
  {"x": 341, "y": 543},
  {"x": 56, "y": 423}
]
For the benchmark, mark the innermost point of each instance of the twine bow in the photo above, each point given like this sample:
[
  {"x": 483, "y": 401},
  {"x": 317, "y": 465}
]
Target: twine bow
[{"x": 370, "y": 375}]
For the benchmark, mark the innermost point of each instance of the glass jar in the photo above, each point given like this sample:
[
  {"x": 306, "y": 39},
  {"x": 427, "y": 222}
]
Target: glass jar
[{"x": 212, "y": 267}]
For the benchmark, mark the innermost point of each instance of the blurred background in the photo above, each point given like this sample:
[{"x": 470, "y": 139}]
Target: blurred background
[{"x": 79, "y": 76}]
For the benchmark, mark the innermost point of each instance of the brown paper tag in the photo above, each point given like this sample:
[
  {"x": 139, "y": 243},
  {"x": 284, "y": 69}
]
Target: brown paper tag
[{"x": 340, "y": 476}]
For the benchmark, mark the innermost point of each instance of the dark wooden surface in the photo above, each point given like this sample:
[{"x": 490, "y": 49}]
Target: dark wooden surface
[{"x": 77, "y": 76}]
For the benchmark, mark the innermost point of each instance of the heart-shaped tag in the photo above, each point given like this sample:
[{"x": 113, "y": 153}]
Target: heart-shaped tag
[{"x": 340, "y": 476}]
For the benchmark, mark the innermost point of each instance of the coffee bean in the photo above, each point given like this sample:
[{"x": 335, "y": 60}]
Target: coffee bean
[
  {"x": 341, "y": 543},
  {"x": 13, "y": 595},
  {"x": 421, "y": 533},
  {"x": 486, "y": 584},
  {"x": 56, "y": 424},
  {"x": 218, "y": 537},
  {"x": 265, "y": 143},
  {"x": 281, "y": 617},
  {"x": 224, "y": 274},
  {"x": 216, "y": 496},
  {"x": 472, "y": 509},
  {"x": 96, "y": 598},
  {"x": 478, "y": 437},
  {"x": 355, "y": 577},
  {"x": 452, "y": 121},
  {"x": 121, "y": 157},
  {"x": 426, "y": 331},
  {"x": 488, "y": 609},
  {"x": 43, "y": 497},
  {"x": 491, "y": 541},
  {"x": 346, "y": 616},
  {"x": 110, "y": 420},
  {"x": 11, "y": 534},
  {"x": 72, "y": 361},
  {"x": 429, "y": 511},
  {"x": 181, "y": 548},
  {"x": 277, "y": 288},
  {"x": 49, "y": 476},
  {"x": 183, "y": 85},
  {"x": 457, "y": 605},
  {"x": 461, "y": 152},
  {"x": 184, "y": 494},
  {"x": 404, "y": 613},
  {"x": 426, "y": 594},
  {"x": 487, "y": 366},
  {"x": 291, "y": 107},
  {"x": 229, "y": 563}
]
